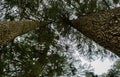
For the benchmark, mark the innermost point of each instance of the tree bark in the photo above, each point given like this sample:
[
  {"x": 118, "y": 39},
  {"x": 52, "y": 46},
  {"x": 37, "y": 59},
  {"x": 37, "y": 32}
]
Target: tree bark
[
  {"x": 102, "y": 27},
  {"x": 12, "y": 29}
]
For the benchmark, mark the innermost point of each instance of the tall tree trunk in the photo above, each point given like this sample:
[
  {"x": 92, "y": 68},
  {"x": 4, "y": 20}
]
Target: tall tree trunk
[
  {"x": 103, "y": 27},
  {"x": 10, "y": 30}
]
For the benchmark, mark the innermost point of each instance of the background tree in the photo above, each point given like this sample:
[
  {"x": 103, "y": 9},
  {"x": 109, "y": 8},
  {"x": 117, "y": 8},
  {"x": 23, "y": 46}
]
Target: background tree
[{"x": 49, "y": 50}]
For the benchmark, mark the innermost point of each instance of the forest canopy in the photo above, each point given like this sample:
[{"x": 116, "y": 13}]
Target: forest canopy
[{"x": 50, "y": 50}]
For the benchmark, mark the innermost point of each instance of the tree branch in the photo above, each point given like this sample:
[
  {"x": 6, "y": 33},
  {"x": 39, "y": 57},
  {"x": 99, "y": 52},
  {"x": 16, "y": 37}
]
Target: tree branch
[{"x": 10, "y": 30}]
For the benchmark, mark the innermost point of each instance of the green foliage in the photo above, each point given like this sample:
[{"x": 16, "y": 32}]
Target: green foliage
[
  {"x": 116, "y": 1},
  {"x": 45, "y": 52},
  {"x": 90, "y": 74}
]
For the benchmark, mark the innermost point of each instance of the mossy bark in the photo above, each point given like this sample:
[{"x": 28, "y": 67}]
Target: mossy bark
[
  {"x": 103, "y": 27},
  {"x": 12, "y": 29}
]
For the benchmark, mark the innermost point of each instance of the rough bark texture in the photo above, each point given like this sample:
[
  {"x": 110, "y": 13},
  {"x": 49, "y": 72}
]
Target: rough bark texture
[
  {"x": 9, "y": 30},
  {"x": 103, "y": 27}
]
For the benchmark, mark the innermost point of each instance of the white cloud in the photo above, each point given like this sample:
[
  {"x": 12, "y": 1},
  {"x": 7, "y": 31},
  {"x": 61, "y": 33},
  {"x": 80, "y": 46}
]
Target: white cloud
[{"x": 101, "y": 66}]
